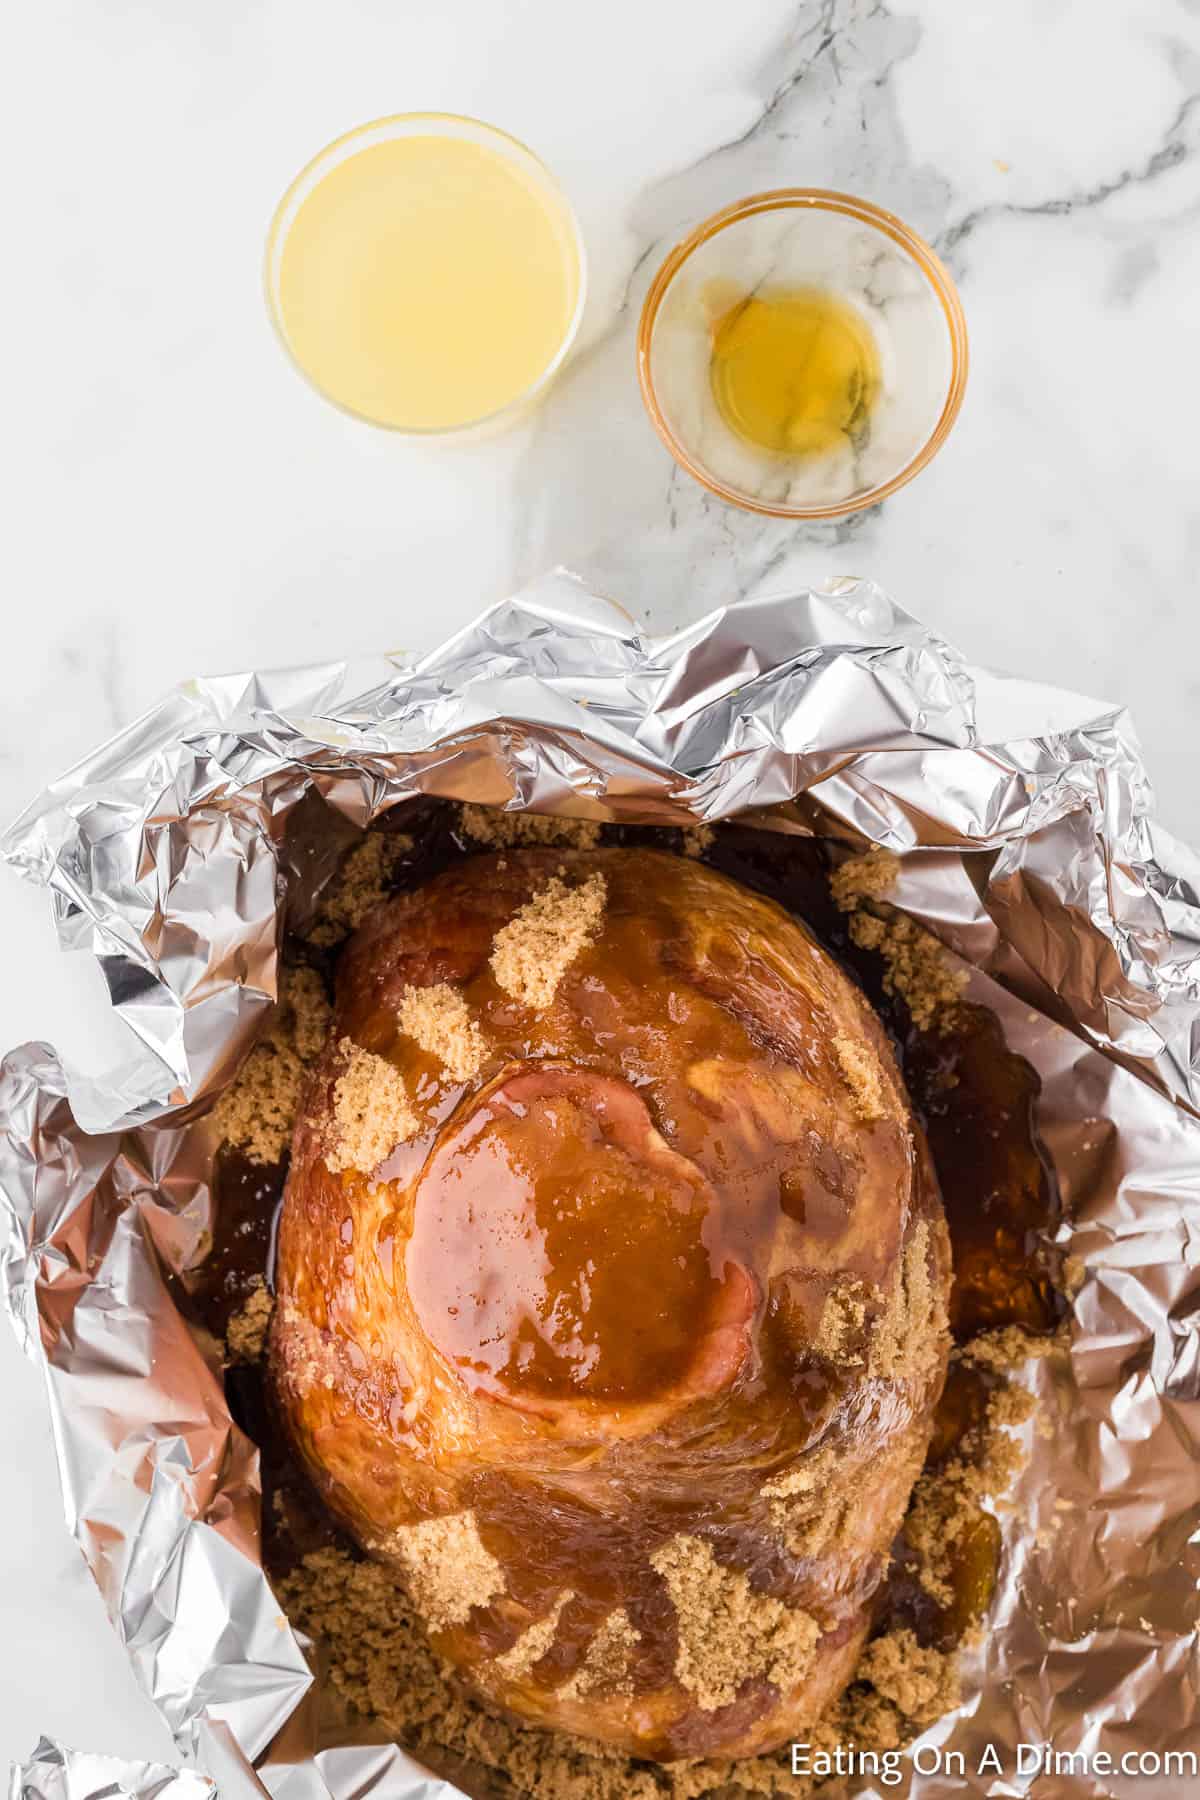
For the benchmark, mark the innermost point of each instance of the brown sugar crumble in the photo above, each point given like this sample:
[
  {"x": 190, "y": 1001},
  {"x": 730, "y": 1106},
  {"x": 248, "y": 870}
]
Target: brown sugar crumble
[
  {"x": 1009, "y": 1347},
  {"x": 727, "y": 1632},
  {"x": 916, "y": 968},
  {"x": 801, "y": 1512},
  {"x": 861, "y": 1070},
  {"x": 912, "y": 1331},
  {"x": 384, "y": 1669},
  {"x": 532, "y": 953},
  {"x": 246, "y": 1332},
  {"x": 946, "y": 1507},
  {"x": 694, "y": 840},
  {"x": 257, "y": 1111},
  {"x": 361, "y": 882},
  {"x": 605, "y": 1667},
  {"x": 533, "y": 1644},
  {"x": 922, "y": 1682},
  {"x": 371, "y": 1111},
  {"x": 843, "y": 1320},
  {"x": 515, "y": 830},
  {"x": 439, "y": 1020},
  {"x": 915, "y": 964},
  {"x": 449, "y": 1568},
  {"x": 814, "y": 1534},
  {"x": 866, "y": 877}
]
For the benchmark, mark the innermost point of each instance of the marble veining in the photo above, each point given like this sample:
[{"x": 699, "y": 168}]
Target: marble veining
[{"x": 831, "y": 114}]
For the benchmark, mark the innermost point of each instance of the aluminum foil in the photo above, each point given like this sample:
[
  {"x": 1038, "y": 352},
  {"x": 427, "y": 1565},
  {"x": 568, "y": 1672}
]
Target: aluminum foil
[
  {"x": 1023, "y": 817},
  {"x": 56, "y": 1773}
]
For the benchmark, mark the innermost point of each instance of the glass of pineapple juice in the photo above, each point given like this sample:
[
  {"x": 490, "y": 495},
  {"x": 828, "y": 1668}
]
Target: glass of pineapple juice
[{"x": 426, "y": 273}]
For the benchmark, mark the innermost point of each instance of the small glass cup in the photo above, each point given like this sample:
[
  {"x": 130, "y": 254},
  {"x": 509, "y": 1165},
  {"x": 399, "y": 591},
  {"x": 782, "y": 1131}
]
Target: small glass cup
[
  {"x": 808, "y": 238},
  {"x": 453, "y": 125}
]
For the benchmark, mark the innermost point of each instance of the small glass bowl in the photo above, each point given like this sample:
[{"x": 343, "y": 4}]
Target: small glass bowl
[
  {"x": 806, "y": 238},
  {"x": 415, "y": 124}
]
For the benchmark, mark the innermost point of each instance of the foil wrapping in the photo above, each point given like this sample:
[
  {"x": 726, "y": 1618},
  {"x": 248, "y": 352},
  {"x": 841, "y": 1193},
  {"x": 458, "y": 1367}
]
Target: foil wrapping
[
  {"x": 1024, "y": 820},
  {"x": 55, "y": 1773}
]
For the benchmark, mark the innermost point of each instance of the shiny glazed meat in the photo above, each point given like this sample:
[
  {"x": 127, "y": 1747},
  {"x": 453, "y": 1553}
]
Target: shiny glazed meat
[{"x": 626, "y": 1351}]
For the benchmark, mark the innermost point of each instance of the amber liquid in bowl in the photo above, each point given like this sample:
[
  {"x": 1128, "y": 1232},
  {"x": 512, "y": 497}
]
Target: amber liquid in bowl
[
  {"x": 802, "y": 353},
  {"x": 795, "y": 370}
]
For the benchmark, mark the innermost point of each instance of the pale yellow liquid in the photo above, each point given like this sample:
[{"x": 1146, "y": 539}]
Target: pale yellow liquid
[{"x": 427, "y": 282}]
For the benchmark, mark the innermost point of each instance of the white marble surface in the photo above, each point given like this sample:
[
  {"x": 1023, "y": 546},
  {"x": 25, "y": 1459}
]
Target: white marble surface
[{"x": 184, "y": 503}]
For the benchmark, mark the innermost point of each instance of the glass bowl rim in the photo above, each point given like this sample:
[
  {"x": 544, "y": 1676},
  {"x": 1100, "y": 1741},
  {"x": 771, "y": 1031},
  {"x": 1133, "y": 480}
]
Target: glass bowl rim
[
  {"x": 820, "y": 200},
  {"x": 277, "y": 236}
]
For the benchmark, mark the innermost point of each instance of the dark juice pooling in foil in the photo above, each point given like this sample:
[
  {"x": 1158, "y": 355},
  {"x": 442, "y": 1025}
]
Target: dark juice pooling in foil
[{"x": 975, "y": 1099}]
